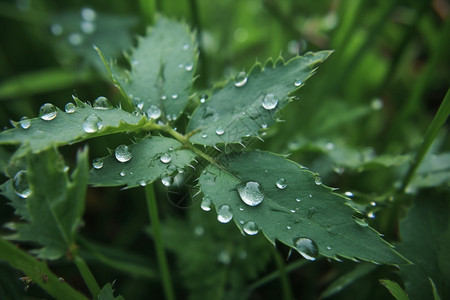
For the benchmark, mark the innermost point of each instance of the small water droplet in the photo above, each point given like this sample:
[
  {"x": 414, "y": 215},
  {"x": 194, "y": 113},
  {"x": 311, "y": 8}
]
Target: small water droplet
[
  {"x": 92, "y": 123},
  {"x": 317, "y": 180},
  {"x": 186, "y": 47},
  {"x": 154, "y": 112},
  {"x": 306, "y": 247},
  {"x": 75, "y": 39},
  {"x": 123, "y": 153},
  {"x": 224, "y": 213},
  {"x": 88, "y": 14},
  {"x": 281, "y": 183},
  {"x": 371, "y": 215},
  {"x": 288, "y": 227},
  {"x": 203, "y": 98},
  {"x": 140, "y": 104},
  {"x": 87, "y": 27},
  {"x": 70, "y": 108},
  {"x": 269, "y": 102},
  {"x": 21, "y": 185},
  {"x": 206, "y": 204},
  {"x": 251, "y": 193},
  {"x": 373, "y": 203},
  {"x": 292, "y": 210},
  {"x": 189, "y": 67},
  {"x": 25, "y": 123},
  {"x": 310, "y": 196},
  {"x": 167, "y": 180},
  {"x": 163, "y": 97},
  {"x": 241, "y": 79},
  {"x": 348, "y": 194},
  {"x": 122, "y": 173},
  {"x": 251, "y": 228},
  {"x": 165, "y": 158},
  {"x": 97, "y": 163},
  {"x": 241, "y": 209},
  {"x": 102, "y": 103},
  {"x": 298, "y": 82},
  {"x": 220, "y": 130},
  {"x": 298, "y": 199},
  {"x": 264, "y": 126},
  {"x": 47, "y": 112},
  {"x": 204, "y": 136},
  {"x": 142, "y": 182},
  {"x": 174, "y": 96},
  {"x": 328, "y": 248},
  {"x": 56, "y": 29}
]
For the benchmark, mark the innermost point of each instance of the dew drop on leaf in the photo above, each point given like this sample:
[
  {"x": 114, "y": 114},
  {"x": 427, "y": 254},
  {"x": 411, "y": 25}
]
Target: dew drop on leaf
[
  {"x": 317, "y": 180},
  {"x": 251, "y": 228},
  {"x": 92, "y": 123},
  {"x": 167, "y": 180},
  {"x": 122, "y": 173},
  {"x": 165, "y": 158},
  {"x": 269, "y": 102},
  {"x": 189, "y": 67},
  {"x": 371, "y": 215},
  {"x": 47, "y": 112},
  {"x": 25, "y": 123},
  {"x": 97, "y": 163},
  {"x": 281, "y": 183},
  {"x": 203, "y": 98},
  {"x": 298, "y": 199},
  {"x": 220, "y": 130},
  {"x": 70, "y": 108},
  {"x": 204, "y": 136},
  {"x": 241, "y": 79},
  {"x": 348, "y": 194},
  {"x": 142, "y": 182},
  {"x": 140, "y": 104},
  {"x": 251, "y": 193},
  {"x": 21, "y": 185},
  {"x": 306, "y": 247},
  {"x": 224, "y": 213},
  {"x": 154, "y": 112},
  {"x": 298, "y": 82},
  {"x": 175, "y": 96},
  {"x": 206, "y": 204},
  {"x": 102, "y": 103},
  {"x": 186, "y": 47},
  {"x": 123, "y": 153}
]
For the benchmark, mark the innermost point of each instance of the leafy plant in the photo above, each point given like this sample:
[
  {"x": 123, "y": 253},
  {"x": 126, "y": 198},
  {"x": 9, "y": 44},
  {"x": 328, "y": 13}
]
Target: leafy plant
[{"x": 206, "y": 149}]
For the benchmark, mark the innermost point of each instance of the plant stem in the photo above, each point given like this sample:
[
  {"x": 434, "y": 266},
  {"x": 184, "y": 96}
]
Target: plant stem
[
  {"x": 87, "y": 275},
  {"x": 148, "y": 10},
  {"x": 285, "y": 285},
  {"x": 438, "y": 121},
  {"x": 159, "y": 245}
]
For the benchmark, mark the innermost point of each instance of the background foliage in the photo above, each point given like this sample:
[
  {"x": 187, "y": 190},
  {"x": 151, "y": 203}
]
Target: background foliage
[{"x": 358, "y": 122}]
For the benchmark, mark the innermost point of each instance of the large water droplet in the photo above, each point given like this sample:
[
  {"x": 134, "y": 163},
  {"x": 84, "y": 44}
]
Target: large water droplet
[
  {"x": 281, "y": 183},
  {"x": 70, "y": 108},
  {"x": 47, "y": 112},
  {"x": 224, "y": 214},
  {"x": 306, "y": 247},
  {"x": 25, "y": 123},
  {"x": 92, "y": 123},
  {"x": 167, "y": 180},
  {"x": 154, "y": 112},
  {"x": 21, "y": 185},
  {"x": 251, "y": 228},
  {"x": 165, "y": 158},
  {"x": 270, "y": 101},
  {"x": 206, "y": 204},
  {"x": 123, "y": 153},
  {"x": 220, "y": 130},
  {"x": 102, "y": 103},
  {"x": 251, "y": 193},
  {"x": 97, "y": 163},
  {"x": 241, "y": 79}
]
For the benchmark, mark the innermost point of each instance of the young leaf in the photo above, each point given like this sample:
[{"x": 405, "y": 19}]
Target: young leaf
[
  {"x": 107, "y": 293},
  {"x": 395, "y": 289},
  {"x": 288, "y": 203},
  {"x": 162, "y": 68},
  {"x": 54, "y": 204},
  {"x": 83, "y": 123},
  {"x": 246, "y": 105},
  {"x": 152, "y": 158},
  {"x": 425, "y": 234}
]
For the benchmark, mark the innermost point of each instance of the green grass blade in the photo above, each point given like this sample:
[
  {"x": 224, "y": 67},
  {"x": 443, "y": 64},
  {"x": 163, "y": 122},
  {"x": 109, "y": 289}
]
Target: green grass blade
[{"x": 396, "y": 291}]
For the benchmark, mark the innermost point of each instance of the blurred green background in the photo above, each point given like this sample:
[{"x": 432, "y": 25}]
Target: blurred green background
[{"x": 354, "y": 122}]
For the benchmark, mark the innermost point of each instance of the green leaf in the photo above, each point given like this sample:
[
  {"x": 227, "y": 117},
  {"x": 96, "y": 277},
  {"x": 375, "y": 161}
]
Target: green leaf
[
  {"x": 395, "y": 289},
  {"x": 162, "y": 68},
  {"x": 146, "y": 164},
  {"x": 55, "y": 206},
  {"x": 235, "y": 112},
  {"x": 303, "y": 209},
  {"x": 107, "y": 293},
  {"x": 425, "y": 234},
  {"x": 68, "y": 128},
  {"x": 435, "y": 291},
  {"x": 434, "y": 171}
]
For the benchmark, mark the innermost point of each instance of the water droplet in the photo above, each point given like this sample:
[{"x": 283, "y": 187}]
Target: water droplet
[
  {"x": 87, "y": 27},
  {"x": 21, "y": 185},
  {"x": 241, "y": 209},
  {"x": 189, "y": 67},
  {"x": 270, "y": 101},
  {"x": 220, "y": 130},
  {"x": 154, "y": 112},
  {"x": 306, "y": 247},
  {"x": 186, "y": 47},
  {"x": 122, "y": 173},
  {"x": 167, "y": 180},
  {"x": 102, "y": 103},
  {"x": 140, "y": 104},
  {"x": 206, "y": 204},
  {"x": 241, "y": 79},
  {"x": 292, "y": 211},
  {"x": 298, "y": 199},
  {"x": 47, "y": 112},
  {"x": 251, "y": 193},
  {"x": 371, "y": 215},
  {"x": 174, "y": 96},
  {"x": 163, "y": 97},
  {"x": 56, "y": 29},
  {"x": 288, "y": 227},
  {"x": 92, "y": 123},
  {"x": 203, "y": 98},
  {"x": 373, "y": 203},
  {"x": 348, "y": 194},
  {"x": 165, "y": 158},
  {"x": 75, "y": 39},
  {"x": 25, "y": 123},
  {"x": 97, "y": 163},
  {"x": 204, "y": 136},
  {"x": 298, "y": 82},
  {"x": 88, "y": 14},
  {"x": 317, "y": 180},
  {"x": 70, "y": 108},
  {"x": 142, "y": 182},
  {"x": 224, "y": 213},
  {"x": 251, "y": 228},
  {"x": 281, "y": 183},
  {"x": 123, "y": 153},
  {"x": 310, "y": 196},
  {"x": 328, "y": 248},
  {"x": 264, "y": 126}
]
